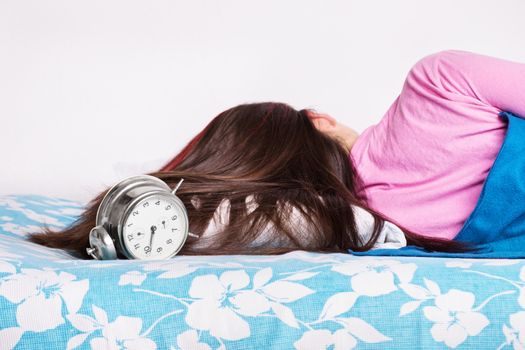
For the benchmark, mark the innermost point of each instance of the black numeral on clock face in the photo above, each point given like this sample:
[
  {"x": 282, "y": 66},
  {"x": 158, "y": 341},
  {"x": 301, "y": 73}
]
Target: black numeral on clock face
[
  {"x": 174, "y": 229},
  {"x": 147, "y": 249},
  {"x": 145, "y": 205},
  {"x": 174, "y": 217},
  {"x": 159, "y": 249},
  {"x": 135, "y": 213},
  {"x": 157, "y": 203},
  {"x": 168, "y": 207},
  {"x": 130, "y": 237},
  {"x": 137, "y": 246},
  {"x": 169, "y": 241}
]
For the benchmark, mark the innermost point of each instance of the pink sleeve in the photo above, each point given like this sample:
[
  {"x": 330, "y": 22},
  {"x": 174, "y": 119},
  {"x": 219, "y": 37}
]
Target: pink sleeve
[
  {"x": 425, "y": 162},
  {"x": 480, "y": 79}
]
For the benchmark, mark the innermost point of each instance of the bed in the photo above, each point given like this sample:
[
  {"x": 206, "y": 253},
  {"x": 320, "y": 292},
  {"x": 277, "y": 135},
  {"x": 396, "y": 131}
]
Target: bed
[{"x": 51, "y": 300}]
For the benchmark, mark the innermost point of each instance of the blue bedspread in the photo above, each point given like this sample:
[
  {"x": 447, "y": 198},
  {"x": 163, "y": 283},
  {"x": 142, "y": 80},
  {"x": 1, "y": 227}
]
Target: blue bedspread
[{"x": 300, "y": 300}]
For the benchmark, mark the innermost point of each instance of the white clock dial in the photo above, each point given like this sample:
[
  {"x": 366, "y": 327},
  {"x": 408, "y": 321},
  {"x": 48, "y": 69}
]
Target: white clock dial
[{"x": 154, "y": 228}]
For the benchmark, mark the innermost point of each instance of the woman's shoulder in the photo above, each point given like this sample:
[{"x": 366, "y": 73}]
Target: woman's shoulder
[{"x": 441, "y": 62}]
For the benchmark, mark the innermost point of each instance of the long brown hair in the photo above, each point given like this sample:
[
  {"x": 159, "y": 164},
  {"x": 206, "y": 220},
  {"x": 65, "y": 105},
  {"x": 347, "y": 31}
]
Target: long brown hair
[{"x": 273, "y": 154}]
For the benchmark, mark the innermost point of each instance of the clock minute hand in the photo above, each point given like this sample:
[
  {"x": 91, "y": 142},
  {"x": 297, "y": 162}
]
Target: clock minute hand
[{"x": 153, "y": 229}]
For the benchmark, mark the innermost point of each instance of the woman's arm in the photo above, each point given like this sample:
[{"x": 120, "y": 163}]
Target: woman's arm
[
  {"x": 425, "y": 162},
  {"x": 480, "y": 79}
]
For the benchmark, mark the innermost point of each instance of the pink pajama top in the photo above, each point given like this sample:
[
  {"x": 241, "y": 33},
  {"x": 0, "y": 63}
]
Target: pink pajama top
[{"x": 424, "y": 164}]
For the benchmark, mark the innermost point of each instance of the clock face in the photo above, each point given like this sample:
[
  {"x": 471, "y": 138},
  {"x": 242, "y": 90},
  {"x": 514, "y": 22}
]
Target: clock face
[{"x": 155, "y": 228}]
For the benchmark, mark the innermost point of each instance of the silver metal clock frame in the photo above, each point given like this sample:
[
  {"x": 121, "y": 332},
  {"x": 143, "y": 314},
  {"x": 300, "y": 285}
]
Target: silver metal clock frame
[{"x": 116, "y": 207}]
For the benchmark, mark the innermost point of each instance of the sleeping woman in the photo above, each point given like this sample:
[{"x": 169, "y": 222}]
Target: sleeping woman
[{"x": 265, "y": 178}]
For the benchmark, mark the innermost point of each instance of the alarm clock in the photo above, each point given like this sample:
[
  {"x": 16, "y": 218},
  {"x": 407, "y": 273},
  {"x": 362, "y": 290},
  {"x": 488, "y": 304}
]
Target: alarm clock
[{"x": 139, "y": 218}]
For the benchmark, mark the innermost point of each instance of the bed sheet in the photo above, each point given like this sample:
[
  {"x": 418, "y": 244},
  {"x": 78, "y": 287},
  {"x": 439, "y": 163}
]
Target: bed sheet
[{"x": 301, "y": 300}]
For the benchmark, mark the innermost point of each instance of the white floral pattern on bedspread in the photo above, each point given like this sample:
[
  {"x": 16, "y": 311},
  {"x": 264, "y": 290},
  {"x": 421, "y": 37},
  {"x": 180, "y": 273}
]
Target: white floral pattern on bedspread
[{"x": 301, "y": 300}]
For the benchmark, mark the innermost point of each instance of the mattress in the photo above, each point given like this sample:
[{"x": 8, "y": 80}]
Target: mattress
[{"x": 300, "y": 300}]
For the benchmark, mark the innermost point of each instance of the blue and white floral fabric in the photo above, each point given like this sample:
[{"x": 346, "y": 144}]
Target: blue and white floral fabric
[{"x": 301, "y": 300}]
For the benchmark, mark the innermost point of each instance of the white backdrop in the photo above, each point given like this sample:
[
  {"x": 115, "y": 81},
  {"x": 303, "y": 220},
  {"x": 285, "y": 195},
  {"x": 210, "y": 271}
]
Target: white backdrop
[{"x": 93, "y": 91}]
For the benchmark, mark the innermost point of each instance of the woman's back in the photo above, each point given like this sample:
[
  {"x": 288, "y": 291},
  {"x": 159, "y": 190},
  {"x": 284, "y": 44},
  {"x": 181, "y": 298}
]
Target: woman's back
[{"x": 425, "y": 162}]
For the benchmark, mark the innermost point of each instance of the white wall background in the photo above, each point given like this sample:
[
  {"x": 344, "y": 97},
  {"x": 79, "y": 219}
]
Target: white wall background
[{"x": 93, "y": 91}]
